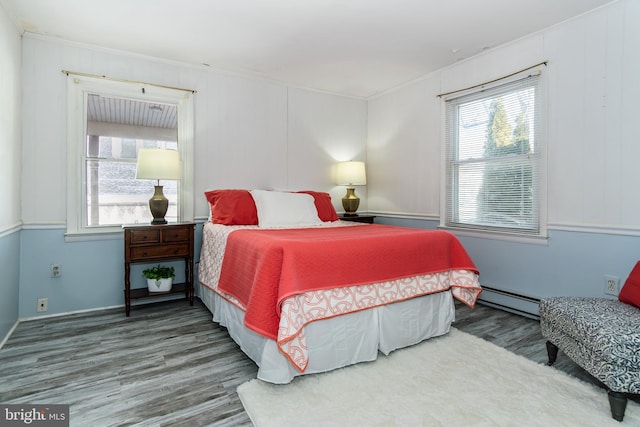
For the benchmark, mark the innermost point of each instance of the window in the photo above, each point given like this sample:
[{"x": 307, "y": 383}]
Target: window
[
  {"x": 109, "y": 122},
  {"x": 493, "y": 159},
  {"x": 113, "y": 194}
]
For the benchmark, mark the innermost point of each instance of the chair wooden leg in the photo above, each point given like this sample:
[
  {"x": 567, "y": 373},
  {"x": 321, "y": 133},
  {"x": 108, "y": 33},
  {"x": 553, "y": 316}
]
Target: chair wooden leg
[
  {"x": 552, "y": 352},
  {"x": 618, "y": 403}
]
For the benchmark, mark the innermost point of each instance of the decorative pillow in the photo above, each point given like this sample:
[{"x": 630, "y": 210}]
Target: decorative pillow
[
  {"x": 282, "y": 209},
  {"x": 232, "y": 207},
  {"x": 630, "y": 292},
  {"x": 325, "y": 208}
]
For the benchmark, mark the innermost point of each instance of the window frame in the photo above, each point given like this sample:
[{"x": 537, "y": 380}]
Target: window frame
[
  {"x": 78, "y": 90},
  {"x": 450, "y": 143}
]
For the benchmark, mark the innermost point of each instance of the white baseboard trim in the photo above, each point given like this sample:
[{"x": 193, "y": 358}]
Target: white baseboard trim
[
  {"x": 13, "y": 328},
  {"x": 134, "y": 303},
  {"x": 66, "y": 313}
]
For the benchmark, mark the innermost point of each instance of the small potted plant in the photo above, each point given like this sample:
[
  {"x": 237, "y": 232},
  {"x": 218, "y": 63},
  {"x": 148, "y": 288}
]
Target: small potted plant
[{"x": 159, "y": 278}]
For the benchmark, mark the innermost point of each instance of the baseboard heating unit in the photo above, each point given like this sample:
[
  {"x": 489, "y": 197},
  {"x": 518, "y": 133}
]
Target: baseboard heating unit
[{"x": 510, "y": 301}]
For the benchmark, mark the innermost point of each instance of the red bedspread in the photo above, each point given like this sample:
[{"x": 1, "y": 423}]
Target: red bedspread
[{"x": 263, "y": 267}]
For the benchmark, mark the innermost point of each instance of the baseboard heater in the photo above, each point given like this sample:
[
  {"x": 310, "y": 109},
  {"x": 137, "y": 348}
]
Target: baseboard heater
[{"x": 508, "y": 294}]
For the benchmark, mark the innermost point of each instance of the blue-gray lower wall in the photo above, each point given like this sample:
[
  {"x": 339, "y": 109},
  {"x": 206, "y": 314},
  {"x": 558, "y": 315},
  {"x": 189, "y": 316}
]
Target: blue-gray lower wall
[
  {"x": 571, "y": 263},
  {"x": 92, "y": 272},
  {"x": 10, "y": 283}
]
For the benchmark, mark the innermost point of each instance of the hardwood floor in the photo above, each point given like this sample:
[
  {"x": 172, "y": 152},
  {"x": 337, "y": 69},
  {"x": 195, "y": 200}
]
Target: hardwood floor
[{"x": 168, "y": 364}]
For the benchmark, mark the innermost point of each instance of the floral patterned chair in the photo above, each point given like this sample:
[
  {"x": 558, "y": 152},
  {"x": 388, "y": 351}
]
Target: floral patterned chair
[{"x": 602, "y": 336}]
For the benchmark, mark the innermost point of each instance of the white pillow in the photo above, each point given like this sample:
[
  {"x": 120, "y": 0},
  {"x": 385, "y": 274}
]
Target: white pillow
[{"x": 281, "y": 209}]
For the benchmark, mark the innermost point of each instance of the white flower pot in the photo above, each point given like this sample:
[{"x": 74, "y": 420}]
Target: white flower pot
[{"x": 162, "y": 285}]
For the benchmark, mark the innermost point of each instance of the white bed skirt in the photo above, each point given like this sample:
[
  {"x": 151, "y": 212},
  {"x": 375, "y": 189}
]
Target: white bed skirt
[{"x": 339, "y": 341}]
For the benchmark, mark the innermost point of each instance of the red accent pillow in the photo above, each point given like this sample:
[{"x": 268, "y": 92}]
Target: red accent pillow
[
  {"x": 232, "y": 207},
  {"x": 630, "y": 292},
  {"x": 326, "y": 211}
]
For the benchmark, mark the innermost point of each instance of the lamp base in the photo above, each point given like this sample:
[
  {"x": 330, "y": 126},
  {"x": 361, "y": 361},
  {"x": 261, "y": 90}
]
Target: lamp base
[
  {"x": 350, "y": 202},
  {"x": 158, "y": 204}
]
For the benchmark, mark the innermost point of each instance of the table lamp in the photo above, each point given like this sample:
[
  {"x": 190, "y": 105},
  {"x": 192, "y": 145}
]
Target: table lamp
[
  {"x": 351, "y": 173},
  {"x": 156, "y": 163}
]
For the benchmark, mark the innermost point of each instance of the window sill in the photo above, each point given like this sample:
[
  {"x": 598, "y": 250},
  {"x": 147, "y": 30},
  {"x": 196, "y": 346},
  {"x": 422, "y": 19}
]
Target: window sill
[
  {"x": 86, "y": 236},
  {"x": 496, "y": 235}
]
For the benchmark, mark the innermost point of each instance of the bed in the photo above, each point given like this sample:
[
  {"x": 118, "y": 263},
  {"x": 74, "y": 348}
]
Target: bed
[{"x": 309, "y": 293}]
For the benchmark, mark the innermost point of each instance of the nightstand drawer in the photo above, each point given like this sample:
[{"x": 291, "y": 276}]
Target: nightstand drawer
[
  {"x": 145, "y": 236},
  {"x": 176, "y": 235},
  {"x": 144, "y": 252}
]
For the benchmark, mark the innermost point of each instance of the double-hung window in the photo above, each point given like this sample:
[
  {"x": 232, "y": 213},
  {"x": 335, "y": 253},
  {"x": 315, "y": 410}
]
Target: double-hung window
[
  {"x": 109, "y": 122},
  {"x": 493, "y": 159}
]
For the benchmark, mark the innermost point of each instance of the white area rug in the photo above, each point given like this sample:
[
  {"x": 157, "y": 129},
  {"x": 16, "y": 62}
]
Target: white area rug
[{"x": 453, "y": 380}]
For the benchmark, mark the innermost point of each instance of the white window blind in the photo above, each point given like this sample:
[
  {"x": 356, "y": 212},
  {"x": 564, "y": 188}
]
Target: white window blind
[{"x": 492, "y": 158}]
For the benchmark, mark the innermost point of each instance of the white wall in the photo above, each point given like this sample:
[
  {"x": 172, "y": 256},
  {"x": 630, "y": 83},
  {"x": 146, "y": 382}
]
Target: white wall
[
  {"x": 323, "y": 129},
  {"x": 403, "y": 150},
  {"x": 241, "y": 135},
  {"x": 10, "y": 147},
  {"x": 594, "y": 141},
  {"x": 593, "y": 146},
  {"x": 249, "y": 133},
  {"x": 593, "y": 138},
  {"x": 10, "y": 122}
]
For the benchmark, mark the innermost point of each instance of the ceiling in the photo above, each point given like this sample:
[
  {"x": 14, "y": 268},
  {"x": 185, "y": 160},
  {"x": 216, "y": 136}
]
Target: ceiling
[
  {"x": 352, "y": 47},
  {"x": 130, "y": 112}
]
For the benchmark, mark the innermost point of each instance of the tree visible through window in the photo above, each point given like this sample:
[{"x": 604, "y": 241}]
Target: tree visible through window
[{"x": 492, "y": 159}]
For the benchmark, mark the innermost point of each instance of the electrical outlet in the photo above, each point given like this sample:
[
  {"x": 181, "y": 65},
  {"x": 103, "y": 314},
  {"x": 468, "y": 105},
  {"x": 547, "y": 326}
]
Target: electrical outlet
[
  {"x": 611, "y": 285},
  {"x": 42, "y": 304},
  {"x": 56, "y": 270}
]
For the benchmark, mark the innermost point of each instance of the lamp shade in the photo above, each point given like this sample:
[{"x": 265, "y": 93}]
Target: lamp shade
[
  {"x": 155, "y": 163},
  {"x": 351, "y": 173}
]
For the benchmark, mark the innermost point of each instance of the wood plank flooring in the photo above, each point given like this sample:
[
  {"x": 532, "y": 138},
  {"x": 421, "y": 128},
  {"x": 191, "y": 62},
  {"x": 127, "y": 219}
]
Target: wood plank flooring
[{"x": 168, "y": 364}]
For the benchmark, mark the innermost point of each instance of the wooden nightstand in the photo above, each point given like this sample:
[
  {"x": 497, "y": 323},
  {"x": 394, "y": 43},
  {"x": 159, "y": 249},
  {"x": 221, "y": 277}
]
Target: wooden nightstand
[
  {"x": 369, "y": 219},
  {"x": 155, "y": 243}
]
